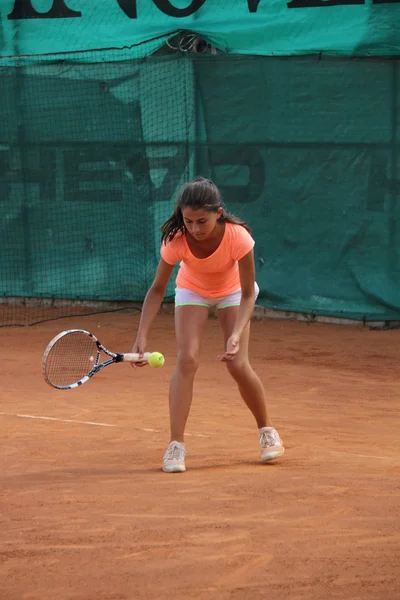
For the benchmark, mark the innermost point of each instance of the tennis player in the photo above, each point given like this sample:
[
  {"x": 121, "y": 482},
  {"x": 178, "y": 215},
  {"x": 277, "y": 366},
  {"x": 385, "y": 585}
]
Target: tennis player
[{"x": 215, "y": 251}]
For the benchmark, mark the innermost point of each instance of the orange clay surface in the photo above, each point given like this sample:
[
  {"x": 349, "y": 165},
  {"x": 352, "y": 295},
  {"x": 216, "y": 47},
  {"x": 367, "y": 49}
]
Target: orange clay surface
[{"x": 87, "y": 514}]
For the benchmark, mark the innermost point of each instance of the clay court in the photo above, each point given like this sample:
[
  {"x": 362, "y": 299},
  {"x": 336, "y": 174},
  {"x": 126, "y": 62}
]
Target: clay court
[{"x": 87, "y": 513}]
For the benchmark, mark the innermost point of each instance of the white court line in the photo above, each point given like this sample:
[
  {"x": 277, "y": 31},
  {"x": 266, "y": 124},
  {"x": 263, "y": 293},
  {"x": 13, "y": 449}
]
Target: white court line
[
  {"x": 61, "y": 420},
  {"x": 369, "y": 456},
  {"x": 186, "y": 434},
  {"x": 42, "y": 418}
]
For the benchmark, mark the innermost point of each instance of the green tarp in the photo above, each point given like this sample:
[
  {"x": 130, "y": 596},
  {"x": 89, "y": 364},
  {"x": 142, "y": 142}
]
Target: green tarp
[
  {"x": 306, "y": 150},
  {"x": 263, "y": 27}
]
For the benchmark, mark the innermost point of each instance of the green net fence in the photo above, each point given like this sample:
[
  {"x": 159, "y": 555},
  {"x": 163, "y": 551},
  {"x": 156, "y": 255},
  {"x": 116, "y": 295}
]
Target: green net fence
[{"x": 305, "y": 149}]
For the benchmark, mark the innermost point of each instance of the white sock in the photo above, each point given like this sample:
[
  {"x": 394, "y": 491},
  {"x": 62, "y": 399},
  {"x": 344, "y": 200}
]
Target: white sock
[{"x": 265, "y": 429}]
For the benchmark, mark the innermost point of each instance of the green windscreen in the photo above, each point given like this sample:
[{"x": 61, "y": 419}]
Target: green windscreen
[
  {"x": 75, "y": 28},
  {"x": 306, "y": 150}
]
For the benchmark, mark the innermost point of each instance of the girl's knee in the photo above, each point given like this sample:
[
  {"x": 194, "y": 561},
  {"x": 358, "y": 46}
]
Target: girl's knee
[
  {"x": 188, "y": 362},
  {"x": 239, "y": 369}
]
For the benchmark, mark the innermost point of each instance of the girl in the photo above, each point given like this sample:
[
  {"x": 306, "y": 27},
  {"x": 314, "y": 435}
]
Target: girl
[{"x": 217, "y": 269}]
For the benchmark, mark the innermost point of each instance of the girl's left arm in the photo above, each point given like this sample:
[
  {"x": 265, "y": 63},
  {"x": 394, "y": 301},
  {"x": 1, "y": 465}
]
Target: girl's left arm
[
  {"x": 246, "y": 308},
  {"x": 247, "y": 283}
]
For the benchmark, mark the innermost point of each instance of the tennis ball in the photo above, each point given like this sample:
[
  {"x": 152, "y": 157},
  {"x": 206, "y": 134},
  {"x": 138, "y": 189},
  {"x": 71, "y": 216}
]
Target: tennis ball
[{"x": 156, "y": 360}]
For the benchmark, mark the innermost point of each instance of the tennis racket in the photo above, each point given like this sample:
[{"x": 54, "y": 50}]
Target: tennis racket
[{"x": 73, "y": 356}]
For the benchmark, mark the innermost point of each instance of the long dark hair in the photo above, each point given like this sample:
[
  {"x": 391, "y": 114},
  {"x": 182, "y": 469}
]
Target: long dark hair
[{"x": 200, "y": 193}]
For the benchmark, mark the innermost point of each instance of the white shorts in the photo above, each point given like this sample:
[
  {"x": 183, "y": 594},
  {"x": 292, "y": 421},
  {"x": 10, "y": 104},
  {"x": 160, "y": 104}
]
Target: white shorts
[{"x": 185, "y": 297}]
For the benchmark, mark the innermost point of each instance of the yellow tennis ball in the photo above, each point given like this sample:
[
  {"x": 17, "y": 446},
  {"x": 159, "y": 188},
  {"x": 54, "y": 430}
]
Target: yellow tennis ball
[{"x": 156, "y": 360}]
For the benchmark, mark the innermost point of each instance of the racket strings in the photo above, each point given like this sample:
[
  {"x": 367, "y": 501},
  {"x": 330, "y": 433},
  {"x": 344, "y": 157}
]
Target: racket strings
[{"x": 71, "y": 358}]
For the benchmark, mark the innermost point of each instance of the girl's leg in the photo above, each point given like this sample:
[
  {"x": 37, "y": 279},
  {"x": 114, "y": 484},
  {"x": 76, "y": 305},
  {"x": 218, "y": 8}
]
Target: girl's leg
[
  {"x": 190, "y": 322},
  {"x": 250, "y": 387}
]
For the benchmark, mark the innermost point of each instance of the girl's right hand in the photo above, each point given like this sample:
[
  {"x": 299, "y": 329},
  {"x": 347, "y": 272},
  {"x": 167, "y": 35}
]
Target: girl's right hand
[{"x": 138, "y": 348}]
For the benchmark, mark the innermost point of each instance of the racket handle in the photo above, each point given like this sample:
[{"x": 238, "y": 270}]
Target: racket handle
[{"x": 134, "y": 357}]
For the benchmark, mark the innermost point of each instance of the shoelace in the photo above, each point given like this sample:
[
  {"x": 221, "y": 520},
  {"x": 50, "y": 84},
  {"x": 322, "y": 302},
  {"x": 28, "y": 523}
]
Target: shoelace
[
  {"x": 267, "y": 439},
  {"x": 175, "y": 453}
]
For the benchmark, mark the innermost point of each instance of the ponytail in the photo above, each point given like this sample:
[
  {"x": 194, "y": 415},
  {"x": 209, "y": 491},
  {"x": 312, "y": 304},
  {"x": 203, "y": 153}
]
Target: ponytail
[
  {"x": 228, "y": 217},
  {"x": 172, "y": 227}
]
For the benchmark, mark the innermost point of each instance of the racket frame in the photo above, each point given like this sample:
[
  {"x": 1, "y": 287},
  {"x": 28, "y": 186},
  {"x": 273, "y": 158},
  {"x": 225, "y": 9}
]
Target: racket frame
[{"x": 115, "y": 357}]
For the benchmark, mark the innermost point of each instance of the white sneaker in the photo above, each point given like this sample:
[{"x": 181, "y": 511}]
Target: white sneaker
[
  {"x": 271, "y": 444},
  {"x": 174, "y": 459}
]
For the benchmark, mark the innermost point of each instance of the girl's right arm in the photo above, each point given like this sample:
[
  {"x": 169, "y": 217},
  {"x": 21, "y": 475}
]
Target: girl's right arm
[{"x": 151, "y": 306}]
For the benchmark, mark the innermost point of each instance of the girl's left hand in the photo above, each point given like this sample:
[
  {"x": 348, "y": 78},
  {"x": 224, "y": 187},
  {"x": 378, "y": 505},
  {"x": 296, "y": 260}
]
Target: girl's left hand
[{"x": 232, "y": 348}]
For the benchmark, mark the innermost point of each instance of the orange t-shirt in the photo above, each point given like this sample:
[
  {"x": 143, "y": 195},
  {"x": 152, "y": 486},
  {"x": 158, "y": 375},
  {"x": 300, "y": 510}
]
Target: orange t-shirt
[{"x": 218, "y": 274}]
